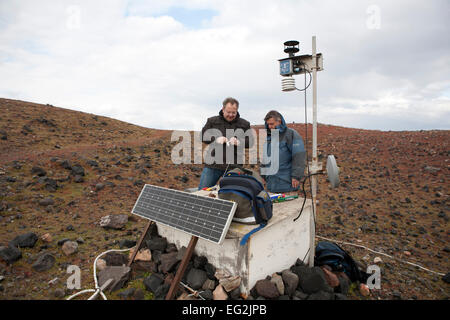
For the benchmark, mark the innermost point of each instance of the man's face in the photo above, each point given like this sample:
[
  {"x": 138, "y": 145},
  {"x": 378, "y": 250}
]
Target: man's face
[
  {"x": 229, "y": 112},
  {"x": 272, "y": 123}
]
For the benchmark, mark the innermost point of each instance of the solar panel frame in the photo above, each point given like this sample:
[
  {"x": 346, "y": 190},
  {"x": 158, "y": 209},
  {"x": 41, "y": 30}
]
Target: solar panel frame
[{"x": 185, "y": 219}]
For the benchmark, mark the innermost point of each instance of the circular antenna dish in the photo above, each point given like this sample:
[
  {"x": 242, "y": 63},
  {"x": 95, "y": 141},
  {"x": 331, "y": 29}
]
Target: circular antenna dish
[
  {"x": 332, "y": 171},
  {"x": 291, "y": 47}
]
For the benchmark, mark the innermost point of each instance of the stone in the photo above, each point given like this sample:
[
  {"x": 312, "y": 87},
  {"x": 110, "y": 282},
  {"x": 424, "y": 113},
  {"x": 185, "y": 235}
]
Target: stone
[
  {"x": 230, "y": 283},
  {"x": 46, "y": 202},
  {"x": 377, "y": 260},
  {"x": 115, "y": 259},
  {"x": 157, "y": 244},
  {"x": 44, "y": 262},
  {"x": 161, "y": 291},
  {"x": 168, "y": 261},
  {"x": 432, "y": 169},
  {"x": 267, "y": 289},
  {"x": 99, "y": 186},
  {"x": 126, "y": 243},
  {"x": 210, "y": 271},
  {"x": 92, "y": 163},
  {"x": 340, "y": 296},
  {"x": 78, "y": 179},
  {"x": 290, "y": 280},
  {"x": 330, "y": 277},
  {"x": 207, "y": 294},
  {"x": 196, "y": 278},
  {"x": 26, "y": 240},
  {"x": 77, "y": 170},
  {"x": 321, "y": 295},
  {"x": 200, "y": 262},
  {"x": 119, "y": 274},
  {"x": 114, "y": 221},
  {"x": 344, "y": 283},
  {"x": 127, "y": 293},
  {"x": 300, "y": 295},
  {"x": 278, "y": 280},
  {"x": 61, "y": 242},
  {"x": 70, "y": 247},
  {"x": 38, "y": 171},
  {"x": 220, "y": 274},
  {"x": 59, "y": 293},
  {"x": 153, "y": 281},
  {"x": 146, "y": 266},
  {"x": 364, "y": 290},
  {"x": 101, "y": 264},
  {"x": 219, "y": 293},
  {"x": 10, "y": 254},
  {"x": 65, "y": 164},
  {"x": 235, "y": 294},
  {"x": 181, "y": 253},
  {"x": 139, "y": 294},
  {"x": 171, "y": 247},
  {"x": 311, "y": 280},
  {"x": 397, "y": 295},
  {"x": 142, "y": 255},
  {"x": 209, "y": 284},
  {"x": 446, "y": 278},
  {"x": 47, "y": 237}
]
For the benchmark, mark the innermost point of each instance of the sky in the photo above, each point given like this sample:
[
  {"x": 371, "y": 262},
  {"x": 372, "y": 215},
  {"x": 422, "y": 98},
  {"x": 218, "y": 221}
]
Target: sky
[{"x": 169, "y": 64}]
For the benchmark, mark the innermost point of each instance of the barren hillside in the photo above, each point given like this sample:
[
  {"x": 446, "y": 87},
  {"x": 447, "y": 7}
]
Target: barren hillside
[{"x": 62, "y": 170}]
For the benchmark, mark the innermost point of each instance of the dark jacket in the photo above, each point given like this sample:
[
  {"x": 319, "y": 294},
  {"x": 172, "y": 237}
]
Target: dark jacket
[
  {"x": 291, "y": 159},
  {"x": 220, "y": 123}
]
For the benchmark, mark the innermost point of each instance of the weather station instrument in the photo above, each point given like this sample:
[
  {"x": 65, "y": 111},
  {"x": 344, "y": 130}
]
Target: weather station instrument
[{"x": 289, "y": 67}]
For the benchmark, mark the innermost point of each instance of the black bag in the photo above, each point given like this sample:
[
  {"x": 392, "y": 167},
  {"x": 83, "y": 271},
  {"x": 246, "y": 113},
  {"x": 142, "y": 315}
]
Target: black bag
[
  {"x": 254, "y": 205},
  {"x": 338, "y": 259}
]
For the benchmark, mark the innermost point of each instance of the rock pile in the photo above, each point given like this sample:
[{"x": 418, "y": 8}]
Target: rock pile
[{"x": 205, "y": 281}]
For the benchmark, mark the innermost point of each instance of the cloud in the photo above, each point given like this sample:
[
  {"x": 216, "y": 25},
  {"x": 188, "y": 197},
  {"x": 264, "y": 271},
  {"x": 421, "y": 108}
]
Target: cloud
[{"x": 150, "y": 63}]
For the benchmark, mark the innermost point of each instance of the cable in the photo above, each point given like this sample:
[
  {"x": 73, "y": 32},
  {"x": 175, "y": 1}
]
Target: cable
[
  {"x": 310, "y": 79},
  {"x": 304, "y": 193},
  {"x": 98, "y": 290},
  {"x": 194, "y": 293},
  {"x": 384, "y": 254}
]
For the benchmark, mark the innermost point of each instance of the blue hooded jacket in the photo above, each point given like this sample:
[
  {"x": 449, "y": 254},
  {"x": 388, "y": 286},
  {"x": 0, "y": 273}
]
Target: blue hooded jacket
[{"x": 291, "y": 159}]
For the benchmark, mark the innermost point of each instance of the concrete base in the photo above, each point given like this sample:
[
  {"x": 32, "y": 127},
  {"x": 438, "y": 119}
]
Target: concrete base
[{"x": 271, "y": 249}]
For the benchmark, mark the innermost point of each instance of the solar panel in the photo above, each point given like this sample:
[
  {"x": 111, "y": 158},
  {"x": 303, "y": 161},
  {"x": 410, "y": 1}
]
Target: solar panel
[{"x": 205, "y": 217}]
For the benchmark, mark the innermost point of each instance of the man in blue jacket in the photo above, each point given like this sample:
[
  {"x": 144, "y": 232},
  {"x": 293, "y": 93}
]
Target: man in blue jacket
[{"x": 291, "y": 160}]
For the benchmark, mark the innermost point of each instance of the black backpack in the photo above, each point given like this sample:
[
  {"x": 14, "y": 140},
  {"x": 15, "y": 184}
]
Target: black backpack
[
  {"x": 245, "y": 187},
  {"x": 329, "y": 253}
]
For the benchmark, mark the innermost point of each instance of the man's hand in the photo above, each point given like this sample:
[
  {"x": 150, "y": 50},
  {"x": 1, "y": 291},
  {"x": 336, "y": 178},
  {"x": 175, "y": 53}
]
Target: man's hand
[
  {"x": 295, "y": 183},
  {"x": 234, "y": 141},
  {"x": 221, "y": 140}
]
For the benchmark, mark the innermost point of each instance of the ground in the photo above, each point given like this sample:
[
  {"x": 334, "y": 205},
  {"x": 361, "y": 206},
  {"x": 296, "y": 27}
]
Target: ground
[{"x": 393, "y": 195}]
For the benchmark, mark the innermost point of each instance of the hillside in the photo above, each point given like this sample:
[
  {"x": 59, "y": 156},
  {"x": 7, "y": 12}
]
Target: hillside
[{"x": 393, "y": 195}]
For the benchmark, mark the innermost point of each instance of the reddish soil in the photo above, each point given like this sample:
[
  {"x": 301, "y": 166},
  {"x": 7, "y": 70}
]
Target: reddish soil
[{"x": 393, "y": 195}]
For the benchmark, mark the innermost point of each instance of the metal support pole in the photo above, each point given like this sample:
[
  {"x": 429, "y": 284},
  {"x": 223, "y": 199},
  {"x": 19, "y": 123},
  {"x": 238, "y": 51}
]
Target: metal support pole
[
  {"x": 314, "y": 155},
  {"x": 182, "y": 268}
]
